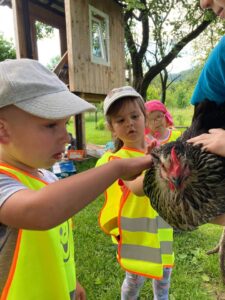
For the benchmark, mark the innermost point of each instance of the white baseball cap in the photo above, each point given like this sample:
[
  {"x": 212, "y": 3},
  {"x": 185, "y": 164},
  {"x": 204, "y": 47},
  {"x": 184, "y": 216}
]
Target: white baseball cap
[
  {"x": 34, "y": 89},
  {"x": 117, "y": 93}
]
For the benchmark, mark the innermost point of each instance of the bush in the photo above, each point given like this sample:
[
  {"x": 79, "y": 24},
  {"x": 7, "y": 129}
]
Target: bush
[
  {"x": 101, "y": 124},
  {"x": 91, "y": 116},
  {"x": 7, "y": 49}
]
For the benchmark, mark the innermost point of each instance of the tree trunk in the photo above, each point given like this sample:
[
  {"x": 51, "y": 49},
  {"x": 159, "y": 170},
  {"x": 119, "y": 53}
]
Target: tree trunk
[
  {"x": 142, "y": 80},
  {"x": 164, "y": 78}
]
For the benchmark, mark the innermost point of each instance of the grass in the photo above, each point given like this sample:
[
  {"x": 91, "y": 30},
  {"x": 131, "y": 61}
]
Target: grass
[
  {"x": 182, "y": 116},
  {"x": 98, "y": 137},
  {"x": 93, "y": 136},
  {"x": 196, "y": 276}
]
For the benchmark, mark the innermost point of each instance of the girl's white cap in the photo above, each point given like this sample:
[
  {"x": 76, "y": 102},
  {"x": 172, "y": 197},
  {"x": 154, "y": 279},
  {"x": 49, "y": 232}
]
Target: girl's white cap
[{"x": 117, "y": 93}]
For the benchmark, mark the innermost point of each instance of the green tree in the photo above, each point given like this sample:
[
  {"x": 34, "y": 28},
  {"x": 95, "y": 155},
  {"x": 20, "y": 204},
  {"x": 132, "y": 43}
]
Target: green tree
[
  {"x": 165, "y": 27},
  {"x": 207, "y": 41},
  {"x": 153, "y": 91},
  {"x": 53, "y": 62},
  {"x": 181, "y": 103},
  {"x": 43, "y": 30},
  {"x": 180, "y": 92},
  {"x": 7, "y": 49}
]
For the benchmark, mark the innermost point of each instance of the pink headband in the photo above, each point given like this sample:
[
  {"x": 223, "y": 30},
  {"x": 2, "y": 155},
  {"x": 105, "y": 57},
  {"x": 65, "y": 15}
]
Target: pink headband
[{"x": 154, "y": 105}]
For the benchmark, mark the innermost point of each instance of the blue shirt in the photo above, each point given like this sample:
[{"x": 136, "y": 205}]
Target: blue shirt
[{"x": 211, "y": 82}]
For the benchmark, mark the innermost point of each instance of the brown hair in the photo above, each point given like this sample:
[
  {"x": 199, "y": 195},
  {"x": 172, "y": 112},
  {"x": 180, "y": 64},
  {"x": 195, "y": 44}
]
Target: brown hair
[{"x": 117, "y": 105}]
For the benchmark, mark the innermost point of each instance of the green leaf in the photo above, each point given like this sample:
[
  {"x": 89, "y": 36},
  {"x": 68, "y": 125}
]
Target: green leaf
[
  {"x": 183, "y": 256},
  {"x": 205, "y": 278},
  {"x": 98, "y": 281}
]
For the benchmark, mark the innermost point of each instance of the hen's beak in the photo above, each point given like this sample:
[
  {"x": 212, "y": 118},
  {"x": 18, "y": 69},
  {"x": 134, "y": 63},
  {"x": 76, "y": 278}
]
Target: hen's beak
[{"x": 176, "y": 181}]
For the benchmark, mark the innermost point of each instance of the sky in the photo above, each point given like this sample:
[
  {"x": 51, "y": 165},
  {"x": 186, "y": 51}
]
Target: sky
[{"x": 49, "y": 48}]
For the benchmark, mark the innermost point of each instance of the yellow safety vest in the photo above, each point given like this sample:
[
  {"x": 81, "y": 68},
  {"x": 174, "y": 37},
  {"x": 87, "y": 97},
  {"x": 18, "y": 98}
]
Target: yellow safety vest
[
  {"x": 144, "y": 238},
  {"x": 43, "y": 266},
  {"x": 173, "y": 136}
]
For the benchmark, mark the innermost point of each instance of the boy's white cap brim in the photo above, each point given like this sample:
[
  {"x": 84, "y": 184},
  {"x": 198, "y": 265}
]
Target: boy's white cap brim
[
  {"x": 55, "y": 106},
  {"x": 117, "y": 93},
  {"x": 30, "y": 86}
]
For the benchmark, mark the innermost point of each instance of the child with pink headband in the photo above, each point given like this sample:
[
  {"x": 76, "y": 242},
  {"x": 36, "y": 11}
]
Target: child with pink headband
[{"x": 159, "y": 125}]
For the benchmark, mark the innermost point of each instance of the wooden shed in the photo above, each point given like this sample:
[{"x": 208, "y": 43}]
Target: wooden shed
[{"x": 91, "y": 42}]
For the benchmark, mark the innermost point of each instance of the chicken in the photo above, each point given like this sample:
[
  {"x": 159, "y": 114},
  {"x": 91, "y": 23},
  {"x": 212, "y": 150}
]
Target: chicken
[{"x": 186, "y": 185}]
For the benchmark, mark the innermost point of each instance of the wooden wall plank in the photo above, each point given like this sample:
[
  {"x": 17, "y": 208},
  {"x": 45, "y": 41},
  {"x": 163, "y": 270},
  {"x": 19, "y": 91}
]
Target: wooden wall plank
[{"x": 86, "y": 76}]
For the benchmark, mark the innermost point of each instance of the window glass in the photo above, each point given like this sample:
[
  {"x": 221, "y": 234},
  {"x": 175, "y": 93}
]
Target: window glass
[{"x": 99, "y": 36}]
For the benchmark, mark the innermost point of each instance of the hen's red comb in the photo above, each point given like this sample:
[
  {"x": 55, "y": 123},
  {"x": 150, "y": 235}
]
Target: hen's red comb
[
  {"x": 175, "y": 163},
  {"x": 174, "y": 155}
]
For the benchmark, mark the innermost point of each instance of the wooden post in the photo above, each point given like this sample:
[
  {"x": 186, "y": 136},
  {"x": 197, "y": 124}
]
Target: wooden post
[
  {"x": 80, "y": 131},
  {"x": 33, "y": 38},
  {"x": 63, "y": 41},
  {"x": 22, "y": 25}
]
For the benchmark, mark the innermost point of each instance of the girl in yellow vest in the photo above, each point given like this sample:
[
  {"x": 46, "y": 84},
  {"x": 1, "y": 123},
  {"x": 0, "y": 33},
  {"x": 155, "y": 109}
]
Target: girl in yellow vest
[
  {"x": 144, "y": 239},
  {"x": 159, "y": 123},
  {"x": 36, "y": 237}
]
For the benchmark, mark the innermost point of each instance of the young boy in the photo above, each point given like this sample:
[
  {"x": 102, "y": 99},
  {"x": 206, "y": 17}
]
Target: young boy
[{"x": 36, "y": 240}]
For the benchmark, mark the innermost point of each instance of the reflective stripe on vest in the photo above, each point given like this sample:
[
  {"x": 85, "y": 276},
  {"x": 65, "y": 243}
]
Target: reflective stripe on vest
[
  {"x": 145, "y": 239},
  {"x": 43, "y": 262}
]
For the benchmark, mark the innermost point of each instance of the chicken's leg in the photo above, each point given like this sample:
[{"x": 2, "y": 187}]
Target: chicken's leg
[{"x": 220, "y": 248}]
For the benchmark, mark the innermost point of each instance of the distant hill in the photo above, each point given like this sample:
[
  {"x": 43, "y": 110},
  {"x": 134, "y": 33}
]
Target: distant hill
[{"x": 190, "y": 74}]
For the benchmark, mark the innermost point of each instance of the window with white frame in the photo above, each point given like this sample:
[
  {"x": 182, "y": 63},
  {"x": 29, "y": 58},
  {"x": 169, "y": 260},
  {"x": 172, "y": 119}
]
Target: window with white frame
[{"x": 99, "y": 36}]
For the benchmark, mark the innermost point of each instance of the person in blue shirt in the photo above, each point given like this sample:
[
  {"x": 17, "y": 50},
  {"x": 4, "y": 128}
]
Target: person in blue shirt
[{"x": 211, "y": 84}]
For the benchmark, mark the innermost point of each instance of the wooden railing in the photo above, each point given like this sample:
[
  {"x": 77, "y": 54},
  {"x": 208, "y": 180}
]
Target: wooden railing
[{"x": 62, "y": 69}]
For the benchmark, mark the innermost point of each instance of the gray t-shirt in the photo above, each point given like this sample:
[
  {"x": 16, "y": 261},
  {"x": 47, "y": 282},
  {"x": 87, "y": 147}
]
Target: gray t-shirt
[{"x": 9, "y": 186}]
